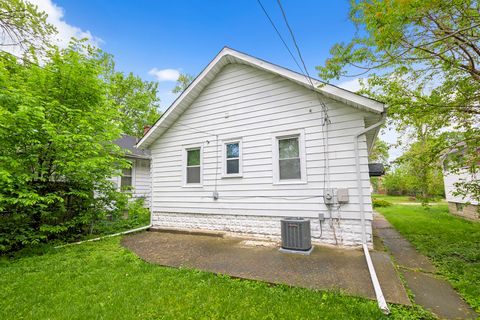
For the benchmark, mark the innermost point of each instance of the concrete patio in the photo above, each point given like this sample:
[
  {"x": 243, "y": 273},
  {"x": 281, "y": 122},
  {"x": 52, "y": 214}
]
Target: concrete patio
[{"x": 327, "y": 268}]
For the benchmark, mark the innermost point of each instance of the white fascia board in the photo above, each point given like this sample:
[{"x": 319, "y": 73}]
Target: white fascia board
[
  {"x": 145, "y": 140},
  {"x": 330, "y": 91}
]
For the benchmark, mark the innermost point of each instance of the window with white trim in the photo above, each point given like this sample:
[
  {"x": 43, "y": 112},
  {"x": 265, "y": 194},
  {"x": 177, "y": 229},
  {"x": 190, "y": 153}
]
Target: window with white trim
[
  {"x": 232, "y": 158},
  {"x": 126, "y": 179},
  {"x": 193, "y": 166},
  {"x": 289, "y": 158}
]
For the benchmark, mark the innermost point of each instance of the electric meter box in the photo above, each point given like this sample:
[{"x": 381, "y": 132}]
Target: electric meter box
[
  {"x": 342, "y": 195},
  {"x": 328, "y": 196}
]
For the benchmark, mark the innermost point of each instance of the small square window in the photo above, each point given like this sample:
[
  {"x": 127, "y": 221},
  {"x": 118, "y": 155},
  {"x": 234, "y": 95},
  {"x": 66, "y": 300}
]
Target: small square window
[{"x": 459, "y": 206}]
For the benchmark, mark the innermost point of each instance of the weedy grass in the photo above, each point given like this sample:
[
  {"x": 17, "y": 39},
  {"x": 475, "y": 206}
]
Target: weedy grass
[
  {"x": 404, "y": 199},
  {"x": 102, "y": 280},
  {"x": 452, "y": 243}
]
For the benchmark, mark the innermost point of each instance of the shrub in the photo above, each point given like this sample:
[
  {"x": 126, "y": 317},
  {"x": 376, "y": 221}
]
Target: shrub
[
  {"x": 133, "y": 216},
  {"x": 56, "y": 150},
  {"x": 379, "y": 203}
]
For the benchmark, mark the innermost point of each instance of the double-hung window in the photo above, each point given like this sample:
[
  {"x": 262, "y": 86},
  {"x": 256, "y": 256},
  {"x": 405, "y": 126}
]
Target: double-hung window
[
  {"x": 193, "y": 170},
  {"x": 289, "y": 158},
  {"x": 232, "y": 158},
  {"x": 126, "y": 179}
]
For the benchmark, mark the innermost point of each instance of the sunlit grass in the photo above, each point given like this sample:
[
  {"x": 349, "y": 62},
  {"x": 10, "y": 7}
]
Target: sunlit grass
[
  {"x": 452, "y": 243},
  {"x": 102, "y": 280}
]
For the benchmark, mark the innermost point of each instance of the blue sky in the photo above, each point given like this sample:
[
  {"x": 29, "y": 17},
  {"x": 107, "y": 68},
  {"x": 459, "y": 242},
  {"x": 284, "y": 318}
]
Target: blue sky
[
  {"x": 186, "y": 35},
  {"x": 158, "y": 39}
]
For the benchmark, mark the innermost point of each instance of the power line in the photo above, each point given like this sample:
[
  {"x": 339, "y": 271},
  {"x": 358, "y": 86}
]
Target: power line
[
  {"x": 279, "y": 35},
  {"x": 294, "y": 41},
  {"x": 326, "y": 120},
  {"x": 304, "y": 70}
]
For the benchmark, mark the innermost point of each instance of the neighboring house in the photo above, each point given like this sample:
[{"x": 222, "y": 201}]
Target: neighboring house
[
  {"x": 466, "y": 207},
  {"x": 136, "y": 179},
  {"x": 244, "y": 146}
]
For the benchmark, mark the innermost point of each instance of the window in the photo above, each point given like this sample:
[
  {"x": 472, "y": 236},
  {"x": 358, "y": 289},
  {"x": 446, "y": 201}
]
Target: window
[
  {"x": 232, "y": 159},
  {"x": 193, "y": 167},
  {"x": 459, "y": 206},
  {"x": 126, "y": 179},
  {"x": 144, "y": 164},
  {"x": 289, "y": 158}
]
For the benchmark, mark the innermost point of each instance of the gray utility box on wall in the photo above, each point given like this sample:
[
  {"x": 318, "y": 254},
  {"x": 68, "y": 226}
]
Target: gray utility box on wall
[{"x": 296, "y": 234}]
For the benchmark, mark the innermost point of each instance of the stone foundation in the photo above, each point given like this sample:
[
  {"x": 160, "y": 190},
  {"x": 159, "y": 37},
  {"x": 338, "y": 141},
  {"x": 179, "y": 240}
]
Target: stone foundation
[
  {"x": 467, "y": 211},
  {"x": 345, "y": 232}
]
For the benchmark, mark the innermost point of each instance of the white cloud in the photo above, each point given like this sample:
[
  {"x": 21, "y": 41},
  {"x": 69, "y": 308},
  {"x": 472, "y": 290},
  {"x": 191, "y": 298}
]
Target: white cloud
[
  {"x": 164, "y": 74},
  {"x": 351, "y": 85},
  {"x": 65, "y": 31}
]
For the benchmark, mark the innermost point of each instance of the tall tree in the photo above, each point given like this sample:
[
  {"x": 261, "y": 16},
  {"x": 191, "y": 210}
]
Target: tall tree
[
  {"x": 421, "y": 57},
  {"x": 379, "y": 152},
  {"x": 137, "y": 100},
  {"x": 183, "y": 81},
  {"x": 23, "y": 25},
  {"x": 56, "y": 150}
]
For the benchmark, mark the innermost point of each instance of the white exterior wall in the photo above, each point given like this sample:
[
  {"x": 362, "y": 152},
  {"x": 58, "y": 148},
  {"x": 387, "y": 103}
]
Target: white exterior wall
[
  {"x": 141, "y": 180},
  {"x": 244, "y": 102},
  {"x": 449, "y": 180}
]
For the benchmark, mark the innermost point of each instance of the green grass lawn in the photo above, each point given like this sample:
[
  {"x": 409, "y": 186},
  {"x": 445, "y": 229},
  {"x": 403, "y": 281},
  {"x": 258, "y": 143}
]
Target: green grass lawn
[
  {"x": 452, "y": 243},
  {"x": 402, "y": 199},
  {"x": 102, "y": 280}
]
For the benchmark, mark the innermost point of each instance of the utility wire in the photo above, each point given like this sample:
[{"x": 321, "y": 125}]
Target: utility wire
[
  {"x": 294, "y": 41},
  {"x": 279, "y": 35},
  {"x": 326, "y": 119}
]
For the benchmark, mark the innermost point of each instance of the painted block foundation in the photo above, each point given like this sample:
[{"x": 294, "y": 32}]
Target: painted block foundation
[
  {"x": 344, "y": 232},
  {"x": 467, "y": 211}
]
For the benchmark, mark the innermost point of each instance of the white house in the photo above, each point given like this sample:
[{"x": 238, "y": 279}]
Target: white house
[
  {"x": 247, "y": 144},
  {"x": 464, "y": 206},
  {"x": 136, "y": 179}
]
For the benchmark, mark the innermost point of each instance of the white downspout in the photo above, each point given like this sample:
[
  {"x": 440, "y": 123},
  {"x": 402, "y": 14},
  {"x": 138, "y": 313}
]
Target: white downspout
[{"x": 376, "y": 284}]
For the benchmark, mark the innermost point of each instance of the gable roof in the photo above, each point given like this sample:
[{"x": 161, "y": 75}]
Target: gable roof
[{"x": 229, "y": 56}]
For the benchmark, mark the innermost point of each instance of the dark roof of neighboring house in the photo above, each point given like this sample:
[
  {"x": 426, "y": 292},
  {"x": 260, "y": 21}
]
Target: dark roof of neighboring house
[{"x": 129, "y": 142}]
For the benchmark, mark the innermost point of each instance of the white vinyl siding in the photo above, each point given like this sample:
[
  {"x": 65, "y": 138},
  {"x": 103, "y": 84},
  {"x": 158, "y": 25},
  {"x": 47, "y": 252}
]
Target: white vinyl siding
[
  {"x": 142, "y": 181},
  {"x": 139, "y": 176},
  {"x": 242, "y": 101},
  {"x": 450, "y": 179}
]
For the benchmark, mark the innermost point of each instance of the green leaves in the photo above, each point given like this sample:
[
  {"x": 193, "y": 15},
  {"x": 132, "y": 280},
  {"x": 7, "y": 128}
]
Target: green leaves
[
  {"x": 183, "y": 81},
  {"x": 22, "y": 24},
  {"x": 422, "y": 59},
  {"x": 135, "y": 99},
  {"x": 56, "y": 150}
]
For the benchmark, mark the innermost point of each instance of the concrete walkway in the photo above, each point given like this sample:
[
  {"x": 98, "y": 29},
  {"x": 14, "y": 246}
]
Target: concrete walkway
[
  {"x": 326, "y": 268},
  {"x": 429, "y": 291}
]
